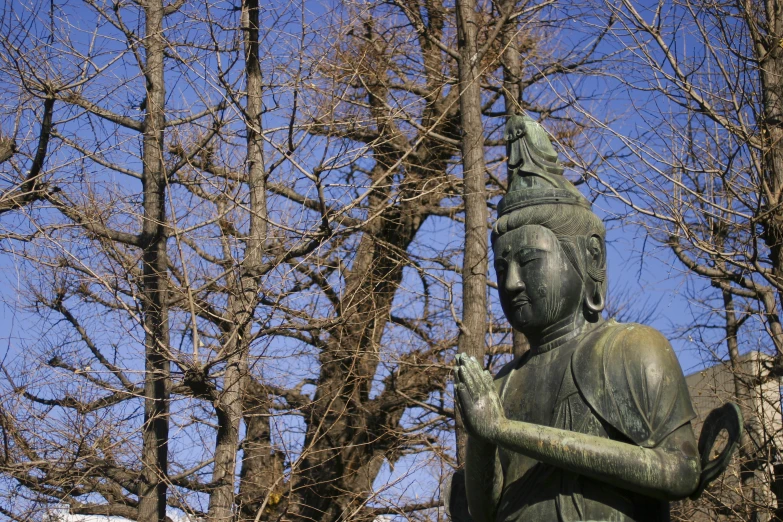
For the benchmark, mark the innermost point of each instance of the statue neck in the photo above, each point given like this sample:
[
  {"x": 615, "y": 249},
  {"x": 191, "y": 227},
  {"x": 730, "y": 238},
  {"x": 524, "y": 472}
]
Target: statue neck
[{"x": 560, "y": 333}]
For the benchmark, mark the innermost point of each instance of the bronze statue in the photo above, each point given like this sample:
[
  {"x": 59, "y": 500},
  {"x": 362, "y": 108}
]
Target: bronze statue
[{"x": 593, "y": 423}]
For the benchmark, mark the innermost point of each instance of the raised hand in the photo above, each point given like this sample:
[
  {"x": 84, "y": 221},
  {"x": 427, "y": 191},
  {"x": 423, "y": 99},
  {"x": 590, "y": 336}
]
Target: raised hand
[{"x": 479, "y": 403}]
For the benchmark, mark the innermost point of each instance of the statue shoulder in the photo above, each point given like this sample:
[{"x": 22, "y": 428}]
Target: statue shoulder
[
  {"x": 630, "y": 375},
  {"x": 638, "y": 341}
]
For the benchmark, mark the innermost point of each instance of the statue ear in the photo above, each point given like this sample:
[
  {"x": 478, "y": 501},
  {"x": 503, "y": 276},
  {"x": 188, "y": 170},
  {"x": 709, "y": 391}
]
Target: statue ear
[
  {"x": 596, "y": 253},
  {"x": 595, "y": 256}
]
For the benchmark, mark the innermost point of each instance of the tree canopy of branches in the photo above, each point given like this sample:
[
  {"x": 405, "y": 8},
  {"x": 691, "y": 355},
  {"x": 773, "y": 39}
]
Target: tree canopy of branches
[{"x": 236, "y": 234}]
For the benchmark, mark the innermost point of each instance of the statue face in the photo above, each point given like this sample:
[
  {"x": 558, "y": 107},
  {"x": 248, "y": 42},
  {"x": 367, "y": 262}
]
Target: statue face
[{"x": 538, "y": 285}]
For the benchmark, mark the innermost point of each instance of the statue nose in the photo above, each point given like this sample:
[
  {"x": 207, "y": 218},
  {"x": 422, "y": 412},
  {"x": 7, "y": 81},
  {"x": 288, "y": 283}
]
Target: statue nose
[{"x": 514, "y": 282}]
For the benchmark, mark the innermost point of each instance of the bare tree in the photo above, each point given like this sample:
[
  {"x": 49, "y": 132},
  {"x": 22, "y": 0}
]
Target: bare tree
[
  {"x": 19, "y": 192},
  {"x": 476, "y": 259},
  {"x": 245, "y": 251}
]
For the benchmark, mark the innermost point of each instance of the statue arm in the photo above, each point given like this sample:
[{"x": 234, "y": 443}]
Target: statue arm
[
  {"x": 670, "y": 470},
  {"x": 483, "y": 471},
  {"x": 483, "y": 479}
]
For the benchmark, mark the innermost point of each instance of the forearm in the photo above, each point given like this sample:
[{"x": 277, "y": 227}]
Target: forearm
[
  {"x": 483, "y": 482},
  {"x": 654, "y": 472}
]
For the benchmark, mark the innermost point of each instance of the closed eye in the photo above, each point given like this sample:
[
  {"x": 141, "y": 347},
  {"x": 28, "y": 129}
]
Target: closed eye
[{"x": 529, "y": 259}]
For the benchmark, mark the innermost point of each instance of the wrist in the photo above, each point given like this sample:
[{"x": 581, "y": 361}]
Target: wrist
[{"x": 501, "y": 426}]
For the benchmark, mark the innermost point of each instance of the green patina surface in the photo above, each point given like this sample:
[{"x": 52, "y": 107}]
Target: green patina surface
[{"x": 593, "y": 423}]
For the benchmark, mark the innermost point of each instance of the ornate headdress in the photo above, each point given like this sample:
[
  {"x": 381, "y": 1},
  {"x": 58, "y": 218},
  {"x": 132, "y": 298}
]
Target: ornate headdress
[
  {"x": 535, "y": 175},
  {"x": 539, "y": 194}
]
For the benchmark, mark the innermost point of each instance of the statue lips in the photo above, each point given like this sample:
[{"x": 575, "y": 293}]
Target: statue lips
[{"x": 520, "y": 301}]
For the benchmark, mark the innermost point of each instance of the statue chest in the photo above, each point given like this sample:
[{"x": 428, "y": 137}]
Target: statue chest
[
  {"x": 542, "y": 391},
  {"x": 532, "y": 391}
]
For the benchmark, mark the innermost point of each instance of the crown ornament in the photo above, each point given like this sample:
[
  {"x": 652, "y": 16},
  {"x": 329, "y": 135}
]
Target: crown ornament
[{"x": 534, "y": 172}]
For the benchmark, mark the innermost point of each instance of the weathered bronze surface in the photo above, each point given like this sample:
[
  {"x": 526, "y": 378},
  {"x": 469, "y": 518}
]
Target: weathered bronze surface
[{"x": 593, "y": 423}]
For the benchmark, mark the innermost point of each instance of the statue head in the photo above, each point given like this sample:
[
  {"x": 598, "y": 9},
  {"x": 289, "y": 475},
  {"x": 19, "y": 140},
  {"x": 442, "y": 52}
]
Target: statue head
[{"x": 549, "y": 247}]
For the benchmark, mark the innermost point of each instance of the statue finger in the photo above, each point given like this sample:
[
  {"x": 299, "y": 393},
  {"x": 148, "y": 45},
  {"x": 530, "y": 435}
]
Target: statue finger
[
  {"x": 463, "y": 397},
  {"x": 463, "y": 376},
  {"x": 468, "y": 379},
  {"x": 473, "y": 364},
  {"x": 487, "y": 381},
  {"x": 478, "y": 373},
  {"x": 459, "y": 362},
  {"x": 463, "y": 379}
]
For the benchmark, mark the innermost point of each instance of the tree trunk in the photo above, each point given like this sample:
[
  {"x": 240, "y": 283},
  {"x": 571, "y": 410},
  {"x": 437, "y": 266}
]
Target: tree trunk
[
  {"x": 340, "y": 432},
  {"x": 243, "y": 299},
  {"x": 348, "y": 433},
  {"x": 512, "y": 69},
  {"x": 474, "y": 265},
  {"x": 770, "y": 56},
  {"x": 152, "y": 500},
  {"x": 262, "y": 468}
]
